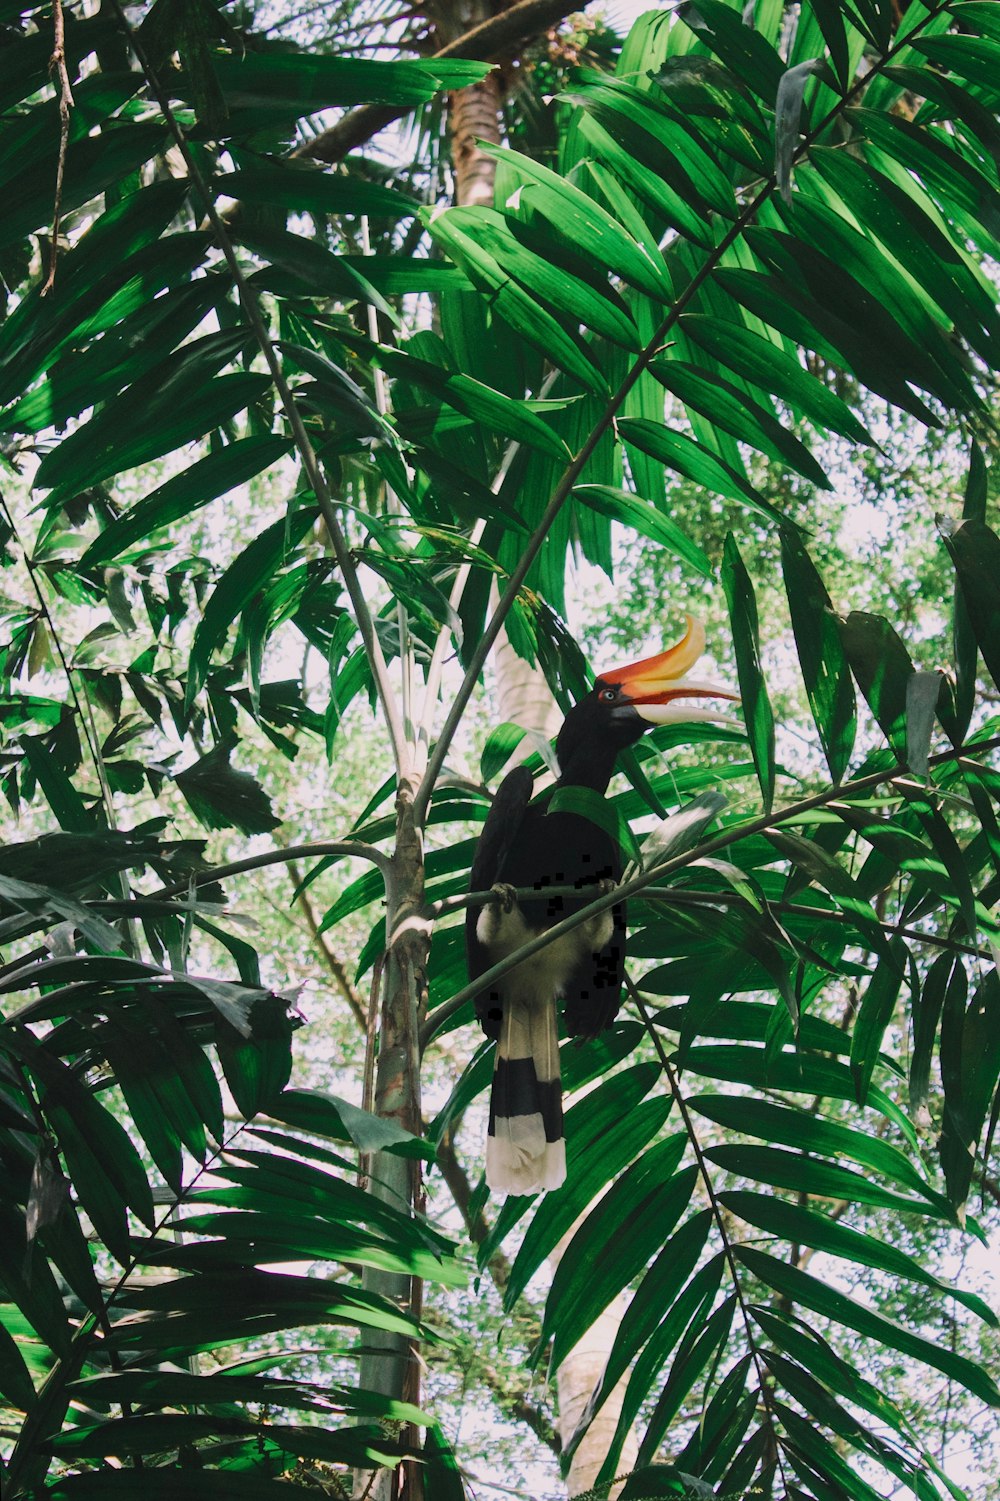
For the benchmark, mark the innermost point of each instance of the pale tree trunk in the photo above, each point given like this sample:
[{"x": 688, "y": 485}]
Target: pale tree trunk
[
  {"x": 575, "y": 1381},
  {"x": 391, "y": 1364}
]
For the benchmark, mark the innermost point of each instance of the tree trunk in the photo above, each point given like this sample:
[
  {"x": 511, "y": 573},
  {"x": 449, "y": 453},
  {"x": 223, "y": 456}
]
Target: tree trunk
[
  {"x": 391, "y": 1364},
  {"x": 473, "y": 114},
  {"x": 575, "y": 1380}
]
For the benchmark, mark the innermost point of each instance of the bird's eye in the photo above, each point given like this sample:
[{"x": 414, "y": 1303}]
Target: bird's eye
[{"x": 608, "y": 695}]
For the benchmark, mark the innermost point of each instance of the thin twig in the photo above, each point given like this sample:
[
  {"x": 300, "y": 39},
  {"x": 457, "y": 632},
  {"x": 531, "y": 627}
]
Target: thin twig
[
  {"x": 57, "y": 65},
  {"x": 688, "y": 897},
  {"x": 731, "y": 835}
]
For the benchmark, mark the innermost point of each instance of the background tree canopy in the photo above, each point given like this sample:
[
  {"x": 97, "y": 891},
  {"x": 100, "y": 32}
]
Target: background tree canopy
[{"x": 296, "y": 417}]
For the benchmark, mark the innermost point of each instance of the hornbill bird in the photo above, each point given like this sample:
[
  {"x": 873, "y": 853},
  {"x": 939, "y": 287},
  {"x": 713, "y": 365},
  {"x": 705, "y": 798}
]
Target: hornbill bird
[{"x": 524, "y": 845}]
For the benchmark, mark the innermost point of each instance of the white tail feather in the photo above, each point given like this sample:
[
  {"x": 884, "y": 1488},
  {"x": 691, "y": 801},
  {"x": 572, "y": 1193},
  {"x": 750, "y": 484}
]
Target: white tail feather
[{"x": 526, "y": 1109}]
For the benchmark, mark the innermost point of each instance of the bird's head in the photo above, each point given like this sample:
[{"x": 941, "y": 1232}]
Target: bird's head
[{"x": 627, "y": 701}]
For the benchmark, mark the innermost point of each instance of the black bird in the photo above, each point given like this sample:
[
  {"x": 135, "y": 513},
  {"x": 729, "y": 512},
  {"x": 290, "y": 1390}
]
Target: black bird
[{"x": 523, "y": 845}]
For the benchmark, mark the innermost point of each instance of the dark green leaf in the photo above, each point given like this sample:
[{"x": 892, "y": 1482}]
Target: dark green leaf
[
  {"x": 913, "y": 238},
  {"x": 743, "y": 49},
  {"x": 635, "y": 1216},
  {"x": 328, "y": 1115},
  {"x": 523, "y": 312},
  {"x": 691, "y": 459},
  {"x": 821, "y": 654},
  {"x": 584, "y": 225},
  {"x": 949, "y": 177},
  {"x": 15, "y": 1382},
  {"x": 810, "y": 1175},
  {"x": 970, "y": 1067},
  {"x": 928, "y": 1003},
  {"x": 502, "y": 414},
  {"x": 975, "y": 550},
  {"x": 811, "y": 317},
  {"x": 630, "y": 161},
  {"x": 819, "y": 866},
  {"x": 656, "y": 1292},
  {"x": 703, "y": 1341},
  {"x": 103, "y": 1165},
  {"x": 882, "y": 666},
  {"x": 306, "y": 185},
  {"x": 222, "y": 797},
  {"x": 604, "y": 1131},
  {"x": 729, "y": 407},
  {"x": 809, "y": 1132},
  {"x": 216, "y": 474},
  {"x": 875, "y": 1013},
  {"x": 766, "y": 365},
  {"x": 688, "y": 1312},
  {"x": 800, "y": 1225},
  {"x": 646, "y": 519},
  {"x": 119, "y": 437},
  {"x": 246, "y": 575},
  {"x": 746, "y": 642},
  {"x": 823, "y": 1298}
]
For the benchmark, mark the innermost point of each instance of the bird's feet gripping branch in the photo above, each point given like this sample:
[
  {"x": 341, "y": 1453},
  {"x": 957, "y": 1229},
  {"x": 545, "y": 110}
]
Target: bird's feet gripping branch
[{"x": 525, "y": 846}]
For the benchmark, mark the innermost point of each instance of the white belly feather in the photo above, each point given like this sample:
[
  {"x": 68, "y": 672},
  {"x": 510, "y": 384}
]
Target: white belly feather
[{"x": 543, "y": 976}]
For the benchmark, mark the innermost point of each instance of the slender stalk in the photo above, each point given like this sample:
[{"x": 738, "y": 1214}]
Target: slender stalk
[
  {"x": 303, "y": 444},
  {"x": 687, "y": 897},
  {"x": 57, "y": 66},
  {"x": 320, "y": 848},
  {"x": 731, "y": 835}
]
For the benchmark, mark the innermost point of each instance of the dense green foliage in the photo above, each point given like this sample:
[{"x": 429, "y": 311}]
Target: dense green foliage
[{"x": 761, "y": 244}]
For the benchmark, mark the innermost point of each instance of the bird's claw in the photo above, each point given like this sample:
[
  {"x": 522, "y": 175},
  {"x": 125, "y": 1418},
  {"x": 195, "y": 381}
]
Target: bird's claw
[
  {"x": 606, "y": 886},
  {"x": 504, "y": 895}
]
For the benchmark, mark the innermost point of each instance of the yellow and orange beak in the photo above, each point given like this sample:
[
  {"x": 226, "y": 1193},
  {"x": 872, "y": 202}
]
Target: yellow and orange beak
[{"x": 653, "y": 686}]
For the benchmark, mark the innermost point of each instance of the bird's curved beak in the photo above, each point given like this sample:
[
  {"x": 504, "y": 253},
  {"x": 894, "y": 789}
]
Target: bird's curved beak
[{"x": 654, "y": 686}]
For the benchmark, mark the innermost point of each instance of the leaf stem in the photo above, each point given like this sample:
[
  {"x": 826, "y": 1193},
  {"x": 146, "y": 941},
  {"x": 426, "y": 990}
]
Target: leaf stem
[
  {"x": 570, "y": 475},
  {"x": 743, "y": 829}
]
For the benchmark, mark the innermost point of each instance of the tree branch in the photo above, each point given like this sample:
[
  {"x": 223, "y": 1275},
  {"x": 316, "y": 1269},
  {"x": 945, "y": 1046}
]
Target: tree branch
[
  {"x": 639, "y": 883},
  {"x": 483, "y": 43}
]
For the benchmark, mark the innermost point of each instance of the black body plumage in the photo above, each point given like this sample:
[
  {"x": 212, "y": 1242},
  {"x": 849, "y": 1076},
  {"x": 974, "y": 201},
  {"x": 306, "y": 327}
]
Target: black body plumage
[{"x": 526, "y": 846}]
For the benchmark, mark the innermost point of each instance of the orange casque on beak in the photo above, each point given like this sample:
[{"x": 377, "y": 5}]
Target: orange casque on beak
[{"x": 652, "y": 685}]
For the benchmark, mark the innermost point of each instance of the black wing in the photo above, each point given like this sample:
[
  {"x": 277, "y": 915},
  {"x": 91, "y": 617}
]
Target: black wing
[
  {"x": 499, "y": 832},
  {"x": 587, "y": 855}
]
